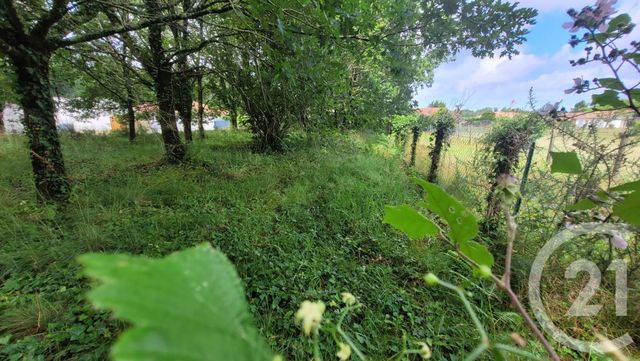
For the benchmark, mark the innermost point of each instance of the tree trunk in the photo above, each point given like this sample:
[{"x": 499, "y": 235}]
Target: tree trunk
[
  {"x": 34, "y": 88},
  {"x": 415, "y": 133},
  {"x": 2, "y": 131},
  {"x": 436, "y": 155},
  {"x": 174, "y": 148},
  {"x": 186, "y": 111},
  {"x": 175, "y": 151},
  {"x": 234, "y": 119},
  {"x": 200, "y": 108},
  {"x": 186, "y": 90},
  {"x": 131, "y": 121},
  {"x": 130, "y": 101}
]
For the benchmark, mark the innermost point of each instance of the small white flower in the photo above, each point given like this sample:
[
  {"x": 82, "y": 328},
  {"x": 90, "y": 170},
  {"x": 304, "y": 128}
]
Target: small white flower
[
  {"x": 344, "y": 353},
  {"x": 348, "y": 298},
  {"x": 310, "y": 313},
  {"x": 425, "y": 351}
]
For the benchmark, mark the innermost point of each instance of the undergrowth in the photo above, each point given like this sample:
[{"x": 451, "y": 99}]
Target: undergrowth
[{"x": 305, "y": 224}]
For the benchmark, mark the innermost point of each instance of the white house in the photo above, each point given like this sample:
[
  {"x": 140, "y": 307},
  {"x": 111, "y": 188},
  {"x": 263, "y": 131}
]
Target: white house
[
  {"x": 100, "y": 123},
  {"x": 65, "y": 119},
  {"x": 602, "y": 119}
]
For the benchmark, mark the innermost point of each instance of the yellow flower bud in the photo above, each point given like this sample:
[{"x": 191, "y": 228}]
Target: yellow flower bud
[
  {"x": 348, "y": 298},
  {"x": 430, "y": 279},
  {"x": 310, "y": 313},
  {"x": 344, "y": 353},
  {"x": 425, "y": 351}
]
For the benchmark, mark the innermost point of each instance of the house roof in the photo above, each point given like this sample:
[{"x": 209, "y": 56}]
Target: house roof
[
  {"x": 428, "y": 110},
  {"x": 509, "y": 115}
]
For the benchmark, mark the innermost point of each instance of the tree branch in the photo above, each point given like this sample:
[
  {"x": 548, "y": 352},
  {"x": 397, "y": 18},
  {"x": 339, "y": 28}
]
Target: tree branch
[
  {"x": 8, "y": 11},
  {"x": 57, "y": 12},
  {"x": 60, "y": 43}
]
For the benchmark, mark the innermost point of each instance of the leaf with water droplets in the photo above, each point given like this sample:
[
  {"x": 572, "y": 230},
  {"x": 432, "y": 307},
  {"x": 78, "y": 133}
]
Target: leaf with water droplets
[
  {"x": 463, "y": 225},
  {"x": 409, "y": 221},
  {"x": 189, "y": 305}
]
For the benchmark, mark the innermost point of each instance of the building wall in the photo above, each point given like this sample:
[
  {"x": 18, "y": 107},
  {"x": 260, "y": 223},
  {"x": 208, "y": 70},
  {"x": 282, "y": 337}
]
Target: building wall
[
  {"x": 100, "y": 123},
  {"x": 614, "y": 123}
]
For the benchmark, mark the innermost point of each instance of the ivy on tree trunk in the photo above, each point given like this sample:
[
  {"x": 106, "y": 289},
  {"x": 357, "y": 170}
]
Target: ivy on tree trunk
[{"x": 32, "y": 70}]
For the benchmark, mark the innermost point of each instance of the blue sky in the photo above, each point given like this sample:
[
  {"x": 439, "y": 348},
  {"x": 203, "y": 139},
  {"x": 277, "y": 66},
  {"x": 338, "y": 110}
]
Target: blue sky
[{"x": 543, "y": 64}]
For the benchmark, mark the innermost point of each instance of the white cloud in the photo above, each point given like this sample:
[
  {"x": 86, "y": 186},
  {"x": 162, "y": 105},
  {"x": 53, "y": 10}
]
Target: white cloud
[
  {"x": 500, "y": 82},
  {"x": 503, "y": 82},
  {"x": 553, "y": 5}
]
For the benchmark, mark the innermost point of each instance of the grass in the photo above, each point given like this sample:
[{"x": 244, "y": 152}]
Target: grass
[{"x": 305, "y": 224}]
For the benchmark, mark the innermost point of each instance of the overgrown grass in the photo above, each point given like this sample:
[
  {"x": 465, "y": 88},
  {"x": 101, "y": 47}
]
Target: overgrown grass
[{"x": 305, "y": 224}]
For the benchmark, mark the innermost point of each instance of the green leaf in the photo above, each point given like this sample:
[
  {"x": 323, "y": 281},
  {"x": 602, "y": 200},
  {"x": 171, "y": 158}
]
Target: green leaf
[
  {"x": 628, "y": 209},
  {"x": 635, "y": 96},
  {"x": 607, "y": 99},
  {"x": 409, "y": 221},
  {"x": 611, "y": 83},
  {"x": 582, "y": 205},
  {"x": 565, "y": 162},
  {"x": 477, "y": 252},
  {"x": 189, "y": 305},
  {"x": 627, "y": 187},
  {"x": 635, "y": 57},
  {"x": 619, "y": 21},
  {"x": 463, "y": 225}
]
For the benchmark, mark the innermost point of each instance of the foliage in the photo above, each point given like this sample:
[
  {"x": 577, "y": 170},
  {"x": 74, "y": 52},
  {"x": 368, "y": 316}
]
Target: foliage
[
  {"x": 503, "y": 145},
  {"x": 438, "y": 104},
  {"x": 463, "y": 227},
  {"x": 443, "y": 124},
  {"x": 490, "y": 116},
  {"x": 603, "y": 43},
  {"x": 621, "y": 201}
]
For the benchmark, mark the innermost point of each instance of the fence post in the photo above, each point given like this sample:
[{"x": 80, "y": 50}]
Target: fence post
[{"x": 525, "y": 177}]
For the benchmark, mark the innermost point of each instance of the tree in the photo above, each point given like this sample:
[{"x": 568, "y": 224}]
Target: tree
[
  {"x": 101, "y": 76},
  {"x": 7, "y": 94},
  {"x": 438, "y": 104},
  {"x": 580, "y": 106},
  {"x": 29, "y": 35},
  {"x": 354, "y": 64},
  {"x": 443, "y": 124},
  {"x": 490, "y": 116}
]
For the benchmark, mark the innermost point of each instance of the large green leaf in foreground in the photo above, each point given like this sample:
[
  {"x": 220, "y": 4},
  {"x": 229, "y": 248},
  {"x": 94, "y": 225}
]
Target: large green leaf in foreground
[
  {"x": 462, "y": 223},
  {"x": 409, "y": 221},
  {"x": 565, "y": 162},
  {"x": 189, "y": 305}
]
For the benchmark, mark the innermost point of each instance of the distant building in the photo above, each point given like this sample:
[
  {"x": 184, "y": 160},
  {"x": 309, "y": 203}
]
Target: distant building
[
  {"x": 104, "y": 122},
  {"x": 509, "y": 115},
  {"x": 602, "y": 119},
  {"x": 65, "y": 120},
  {"x": 428, "y": 111}
]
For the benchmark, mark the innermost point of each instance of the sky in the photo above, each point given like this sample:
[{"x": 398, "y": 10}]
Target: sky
[{"x": 543, "y": 63}]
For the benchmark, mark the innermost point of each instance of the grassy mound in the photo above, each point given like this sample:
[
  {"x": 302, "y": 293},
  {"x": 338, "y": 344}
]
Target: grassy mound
[{"x": 301, "y": 225}]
